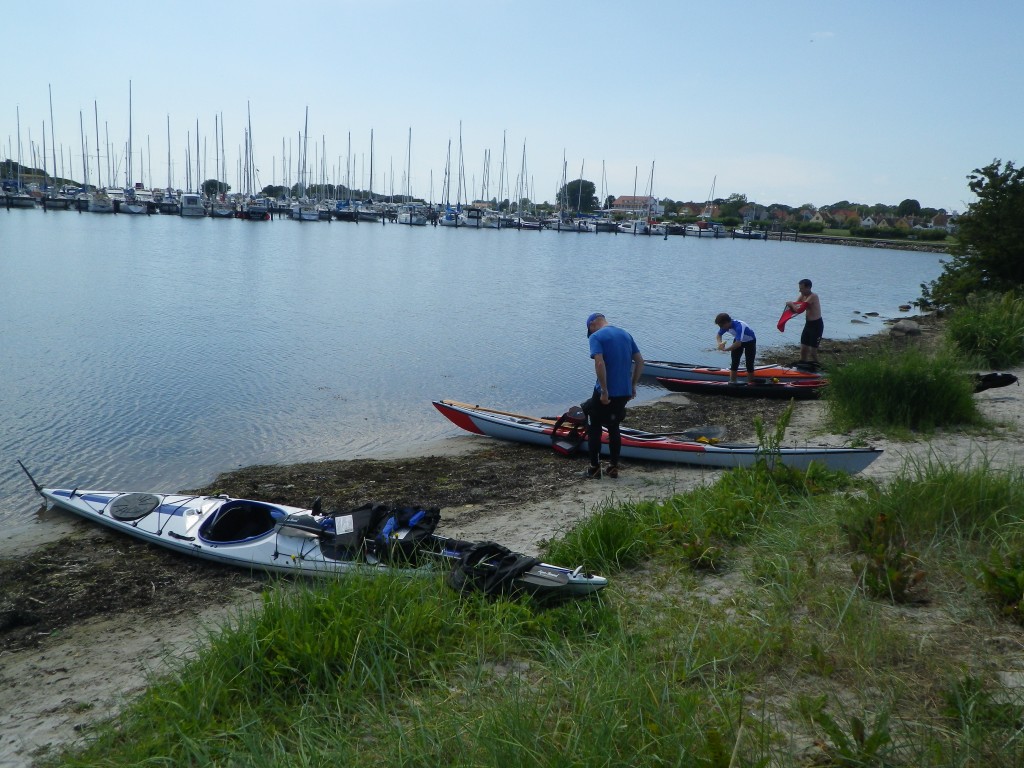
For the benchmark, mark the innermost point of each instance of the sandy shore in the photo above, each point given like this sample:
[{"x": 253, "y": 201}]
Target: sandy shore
[{"x": 50, "y": 693}]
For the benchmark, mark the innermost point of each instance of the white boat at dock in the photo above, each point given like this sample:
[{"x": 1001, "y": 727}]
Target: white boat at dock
[{"x": 192, "y": 205}]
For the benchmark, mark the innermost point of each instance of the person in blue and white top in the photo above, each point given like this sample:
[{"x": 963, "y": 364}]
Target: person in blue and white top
[{"x": 744, "y": 344}]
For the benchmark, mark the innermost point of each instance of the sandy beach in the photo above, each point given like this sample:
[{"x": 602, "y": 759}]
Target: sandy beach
[{"x": 54, "y": 688}]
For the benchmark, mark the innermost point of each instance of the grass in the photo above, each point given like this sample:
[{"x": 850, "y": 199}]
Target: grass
[
  {"x": 990, "y": 329},
  {"x": 901, "y": 389}
]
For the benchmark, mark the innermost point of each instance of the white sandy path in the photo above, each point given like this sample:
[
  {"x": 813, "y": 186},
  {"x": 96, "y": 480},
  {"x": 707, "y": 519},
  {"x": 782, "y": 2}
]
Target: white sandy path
[{"x": 47, "y": 695}]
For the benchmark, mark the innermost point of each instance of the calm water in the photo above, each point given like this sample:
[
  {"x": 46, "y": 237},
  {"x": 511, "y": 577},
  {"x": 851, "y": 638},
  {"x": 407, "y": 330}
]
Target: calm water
[{"x": 155, "y": 352}]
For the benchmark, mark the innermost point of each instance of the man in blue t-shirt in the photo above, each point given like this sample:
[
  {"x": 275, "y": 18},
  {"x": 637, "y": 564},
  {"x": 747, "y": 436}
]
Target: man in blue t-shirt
[{"x": 619, "y": 365}]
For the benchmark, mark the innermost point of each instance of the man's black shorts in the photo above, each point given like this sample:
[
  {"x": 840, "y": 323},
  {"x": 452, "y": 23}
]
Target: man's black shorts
[{"x": 813, "y": 331}]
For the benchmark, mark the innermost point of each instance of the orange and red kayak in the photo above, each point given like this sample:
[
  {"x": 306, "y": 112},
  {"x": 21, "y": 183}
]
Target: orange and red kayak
[{"x": 693, "y": 372}]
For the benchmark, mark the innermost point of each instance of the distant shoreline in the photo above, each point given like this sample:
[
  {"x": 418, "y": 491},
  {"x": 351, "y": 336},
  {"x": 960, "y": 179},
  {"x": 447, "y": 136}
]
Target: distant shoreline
[{"x": 867, "y": 242}]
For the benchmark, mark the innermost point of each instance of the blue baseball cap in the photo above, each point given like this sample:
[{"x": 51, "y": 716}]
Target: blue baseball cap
[{"x": 591, "y": 319}]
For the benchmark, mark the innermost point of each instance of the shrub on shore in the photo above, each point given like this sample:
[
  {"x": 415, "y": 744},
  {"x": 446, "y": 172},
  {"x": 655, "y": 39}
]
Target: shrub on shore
[
  {"x": 990, "y": 328},
  {"x": 901, "y": 389}
]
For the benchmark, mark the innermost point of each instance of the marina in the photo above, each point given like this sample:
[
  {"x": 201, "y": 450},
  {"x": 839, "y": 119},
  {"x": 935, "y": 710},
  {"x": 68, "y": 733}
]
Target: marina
[
  {"x": 159, "y": 351},
  {"x": 415, "y": 213}
]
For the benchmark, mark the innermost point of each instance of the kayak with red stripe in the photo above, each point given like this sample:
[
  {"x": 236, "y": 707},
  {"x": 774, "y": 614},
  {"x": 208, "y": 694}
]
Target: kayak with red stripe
[
  {"x": 694, "y": 372},
  {"x": 648, "y": 446}
]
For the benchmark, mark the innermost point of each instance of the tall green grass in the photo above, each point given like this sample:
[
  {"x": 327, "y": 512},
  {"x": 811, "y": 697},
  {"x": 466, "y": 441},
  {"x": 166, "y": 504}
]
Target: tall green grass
[
  {"x": 896, "y": 389},
  {"x": 968, "y": 499},
  {"x": 696, "y": 524},
  {"x": 991, "y": 329}
]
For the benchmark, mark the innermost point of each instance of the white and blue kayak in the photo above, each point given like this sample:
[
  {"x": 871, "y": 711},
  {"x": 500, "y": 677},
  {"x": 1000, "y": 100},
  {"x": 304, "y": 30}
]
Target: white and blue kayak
[{"x": 276, "y": 538}]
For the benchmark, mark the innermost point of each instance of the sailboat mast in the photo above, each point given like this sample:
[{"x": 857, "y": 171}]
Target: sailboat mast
[
  {"x": 448, "y": 177},
  {"x": 85, "y": 149},
  {"x": 96, "y": 116},
  {"x": 216, "y": 150},
  {"x": 223, "y": 155},
  {"x": 53, "y": 146},
  {"x": 128, "y": 166},
  {"x": 248, "y": 150},
  {"x": 303, "y": 182},
  {"x": 650, "y": 192},
  {"x": 579, "y": 189},
  {"x": 462, "y": 172},
  {"x": 408, "y": 168},
  {"x": 111, "y": 161},
  {"x": 168, "y": 154},
  {"x": 199, "y": 181},
  {"x": 44, "y": 154},
  {"x": 501, "y": 172},
  {"x": 604, "y": 188}
]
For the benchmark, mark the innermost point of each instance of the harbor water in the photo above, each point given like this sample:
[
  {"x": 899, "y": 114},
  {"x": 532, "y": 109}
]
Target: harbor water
[{"x": 154, "y": 352}]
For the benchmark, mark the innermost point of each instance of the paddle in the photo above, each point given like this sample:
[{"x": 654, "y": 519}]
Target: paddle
[
  {"x": 36, "y": 485},
  {"x": 550, "y": 419},
  {"x": 713, "y": 432}
]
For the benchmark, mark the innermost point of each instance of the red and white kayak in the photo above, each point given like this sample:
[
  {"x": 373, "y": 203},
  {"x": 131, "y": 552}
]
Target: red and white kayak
[
  {"x": 649, "y": 446},
  {"x": 693, "y": 372}
]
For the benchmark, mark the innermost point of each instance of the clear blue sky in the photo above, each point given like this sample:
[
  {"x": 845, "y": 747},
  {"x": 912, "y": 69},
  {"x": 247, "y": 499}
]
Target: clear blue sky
[{"x": 789, "y": 102}]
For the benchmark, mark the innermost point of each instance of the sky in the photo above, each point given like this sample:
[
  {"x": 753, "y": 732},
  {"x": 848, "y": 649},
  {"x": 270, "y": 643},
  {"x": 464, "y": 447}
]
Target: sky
[{"x": 789, "y": 102}]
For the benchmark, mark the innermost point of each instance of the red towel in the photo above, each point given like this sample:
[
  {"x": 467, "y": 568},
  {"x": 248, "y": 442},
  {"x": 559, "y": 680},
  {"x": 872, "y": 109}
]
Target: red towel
[{"x": 787, "y": 313}]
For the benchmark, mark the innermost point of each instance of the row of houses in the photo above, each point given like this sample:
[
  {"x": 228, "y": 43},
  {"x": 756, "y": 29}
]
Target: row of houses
[
  {"x": 841, "y": 218},
  {"x": 838, "y": 218}
]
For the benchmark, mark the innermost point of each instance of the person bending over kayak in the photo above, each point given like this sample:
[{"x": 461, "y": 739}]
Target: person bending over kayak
[
  {"x": 619, "y": 366},
  {"x": 744, "y": 344}
]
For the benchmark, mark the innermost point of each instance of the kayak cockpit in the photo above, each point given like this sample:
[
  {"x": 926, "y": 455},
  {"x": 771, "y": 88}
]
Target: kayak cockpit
[{"x": 239, "y": 520}]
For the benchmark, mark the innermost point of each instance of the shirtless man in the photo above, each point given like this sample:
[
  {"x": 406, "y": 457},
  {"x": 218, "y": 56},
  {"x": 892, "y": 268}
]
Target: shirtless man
[{"x": 814, "y": 327}]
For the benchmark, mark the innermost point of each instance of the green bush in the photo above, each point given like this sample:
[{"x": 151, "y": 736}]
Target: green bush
[
  {"x": 884, "y": 564},
  {"x": 901, "y": 389},
  {"x": 931, "y": 234},
  {"x": 990, "y": 328},
  {"x": 879, "y": 233},
  {"x": 969, "y": 499},
  {"x": 1002, "y": 580}
]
